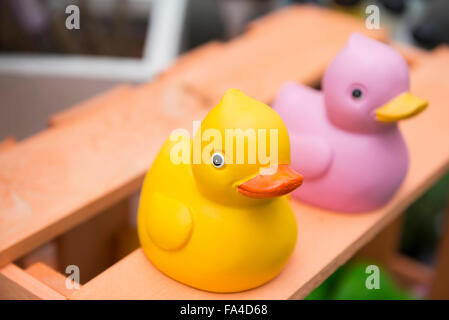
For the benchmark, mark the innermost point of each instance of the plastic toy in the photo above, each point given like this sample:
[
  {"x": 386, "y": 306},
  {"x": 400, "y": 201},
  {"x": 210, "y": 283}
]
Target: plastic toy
[
  {"x": 219, "y": 225},
  {"x": 345, "y": 139}
]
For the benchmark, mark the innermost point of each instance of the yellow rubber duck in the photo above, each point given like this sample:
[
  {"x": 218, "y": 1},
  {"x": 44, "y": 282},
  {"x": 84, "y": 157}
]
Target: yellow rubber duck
[{"x": 221, "y": 224}]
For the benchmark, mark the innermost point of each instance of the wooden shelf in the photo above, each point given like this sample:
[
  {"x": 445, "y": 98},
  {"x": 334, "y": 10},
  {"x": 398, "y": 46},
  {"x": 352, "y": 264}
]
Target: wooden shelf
[
  {"x": 326, "y": 240},
  {"x": 15, "y": 283}
]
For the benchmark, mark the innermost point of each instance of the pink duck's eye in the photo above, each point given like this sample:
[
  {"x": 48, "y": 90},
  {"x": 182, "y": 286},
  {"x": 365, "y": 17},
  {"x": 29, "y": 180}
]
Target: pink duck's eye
[{"x": 357, "y": 93}]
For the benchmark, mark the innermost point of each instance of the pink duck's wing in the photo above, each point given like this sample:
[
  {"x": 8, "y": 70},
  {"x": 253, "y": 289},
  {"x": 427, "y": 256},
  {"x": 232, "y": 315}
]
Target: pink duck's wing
[
  {"x": 311, "y": 155},
  {"x": 291, "y": 97},
  {"x": 300, "y": 107}
]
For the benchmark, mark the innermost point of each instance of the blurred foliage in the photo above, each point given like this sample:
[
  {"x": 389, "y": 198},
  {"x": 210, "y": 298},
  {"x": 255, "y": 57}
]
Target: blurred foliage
[{"x": 348, "y": 283}]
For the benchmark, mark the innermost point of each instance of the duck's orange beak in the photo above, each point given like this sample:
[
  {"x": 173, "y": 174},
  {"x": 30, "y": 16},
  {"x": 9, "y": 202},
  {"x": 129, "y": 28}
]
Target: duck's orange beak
[{"x": 272, "y": 183}]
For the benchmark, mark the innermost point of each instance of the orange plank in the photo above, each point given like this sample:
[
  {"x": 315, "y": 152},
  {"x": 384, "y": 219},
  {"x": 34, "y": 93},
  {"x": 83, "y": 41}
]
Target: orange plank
[
  {"x": 63, "y": 176},
  {"x": 412, "y": 55},
  {"x": 50, "y": 278},
  {"x": 325, "y": 239},
  {"x": 7, "y": 143},
  {"x": 294, "y": 43},
  {"x": 115, "y": 96},
  {"x": 47, "y": 254},
  {"x": 15, "y": 283},
  {"x": 188, "y": 62}
]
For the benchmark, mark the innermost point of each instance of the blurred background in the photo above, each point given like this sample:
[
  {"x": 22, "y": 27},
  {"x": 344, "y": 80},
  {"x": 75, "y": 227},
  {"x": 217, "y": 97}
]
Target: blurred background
[{"x": 133, "y": 40}]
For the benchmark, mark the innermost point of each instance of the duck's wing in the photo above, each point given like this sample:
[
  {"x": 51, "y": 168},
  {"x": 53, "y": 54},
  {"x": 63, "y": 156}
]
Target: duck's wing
[
  {"x": 168, "y": 222},
  {"x": 311, "y": 155},
  {"x": 302, "y": 110},
  {"x": 296, "y": 100}
]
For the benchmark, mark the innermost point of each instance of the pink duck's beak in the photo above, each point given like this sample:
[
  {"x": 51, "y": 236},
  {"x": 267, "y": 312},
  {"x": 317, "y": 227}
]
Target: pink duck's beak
[{"x": 403, "y": 106}]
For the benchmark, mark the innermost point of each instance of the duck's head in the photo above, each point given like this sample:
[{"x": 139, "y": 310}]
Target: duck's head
[
  {"x": 245, "y": 152},
  {"x": 366, "y": 87}
]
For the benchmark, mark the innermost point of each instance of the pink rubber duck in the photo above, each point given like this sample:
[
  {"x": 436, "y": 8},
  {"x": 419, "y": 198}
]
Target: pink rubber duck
[{"x": 345, "y": 139}]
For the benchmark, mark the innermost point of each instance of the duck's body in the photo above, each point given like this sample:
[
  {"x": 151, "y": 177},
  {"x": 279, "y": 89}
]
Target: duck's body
[
  {"x": 343, "y": 170},
  {"x": 226, "y": 248},
  {"x": 345, "y": 139},
  {"x": 220, "y": 228}
]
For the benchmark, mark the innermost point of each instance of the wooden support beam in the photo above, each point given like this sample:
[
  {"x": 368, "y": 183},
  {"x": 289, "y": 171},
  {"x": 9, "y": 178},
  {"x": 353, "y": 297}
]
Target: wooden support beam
[
  {"x": 410, "y": 272},
  {"x": 50, "y": 278},
  {"x": 440, "y": 284},
  {"x": 15, "y": 283},
  {"x": 90, "y": 246},
  {"x": 46, "y": 254},
  {"x": 385, "y": 245}
]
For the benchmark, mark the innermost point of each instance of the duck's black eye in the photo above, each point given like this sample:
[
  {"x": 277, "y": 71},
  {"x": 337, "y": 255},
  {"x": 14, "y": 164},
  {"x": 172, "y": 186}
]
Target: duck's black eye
[
  {"x": 357, "y": 93},
  {"x": 217, "y": 160}
]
